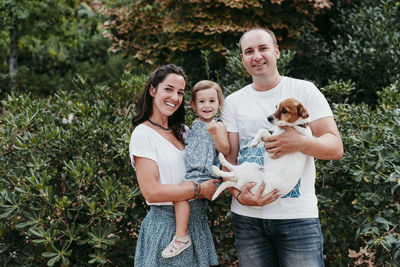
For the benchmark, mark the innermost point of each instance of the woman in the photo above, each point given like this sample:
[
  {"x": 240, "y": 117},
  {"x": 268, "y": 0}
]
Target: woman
[{"x": 157, "y": 153}]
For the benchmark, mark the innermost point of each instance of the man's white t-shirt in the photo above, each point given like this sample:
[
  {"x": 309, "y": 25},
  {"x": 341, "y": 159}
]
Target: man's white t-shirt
[
  {"x": 245, "y": 112},
  {"x": 147, "y": 143}
]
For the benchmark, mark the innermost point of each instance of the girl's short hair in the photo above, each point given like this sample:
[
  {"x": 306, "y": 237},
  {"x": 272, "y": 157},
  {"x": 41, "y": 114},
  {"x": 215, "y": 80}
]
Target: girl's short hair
[{"x": 206, "y": 84}]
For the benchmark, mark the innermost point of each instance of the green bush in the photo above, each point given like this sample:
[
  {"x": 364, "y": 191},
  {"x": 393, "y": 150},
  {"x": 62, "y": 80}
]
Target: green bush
[
  {"x": 68, "y": 192},
  {"x": 359, "y": 195}
]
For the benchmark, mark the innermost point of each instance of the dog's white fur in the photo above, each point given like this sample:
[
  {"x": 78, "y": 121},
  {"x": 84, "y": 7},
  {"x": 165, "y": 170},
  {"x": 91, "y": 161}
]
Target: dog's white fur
[{"x": 282, "y": 173}]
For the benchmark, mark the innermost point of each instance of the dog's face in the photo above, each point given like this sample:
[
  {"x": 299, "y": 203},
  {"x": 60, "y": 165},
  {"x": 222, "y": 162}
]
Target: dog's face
[{"x": 289, "y": 111}]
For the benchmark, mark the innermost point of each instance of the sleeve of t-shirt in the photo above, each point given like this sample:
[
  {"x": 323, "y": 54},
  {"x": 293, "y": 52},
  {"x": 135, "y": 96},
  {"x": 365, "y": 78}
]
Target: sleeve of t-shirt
[
  {"x": 228, "y": 115},
  {"x": 317, "y": 105},
  {"x": 140, "y": 145}
]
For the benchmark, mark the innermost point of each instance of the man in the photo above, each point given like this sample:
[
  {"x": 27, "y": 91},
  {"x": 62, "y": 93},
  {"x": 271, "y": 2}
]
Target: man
[{"x": 276, "y": 230}]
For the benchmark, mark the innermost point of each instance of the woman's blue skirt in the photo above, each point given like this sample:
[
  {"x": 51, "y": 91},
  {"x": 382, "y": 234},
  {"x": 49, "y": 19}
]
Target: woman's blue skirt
[{"x": 158, "y": 229}]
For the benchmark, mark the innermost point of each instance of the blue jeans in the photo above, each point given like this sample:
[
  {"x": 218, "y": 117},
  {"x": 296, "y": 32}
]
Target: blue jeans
[{"x": 270, "y": 243}]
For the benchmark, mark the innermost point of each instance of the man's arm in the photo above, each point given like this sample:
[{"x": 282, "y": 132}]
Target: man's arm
[{"x": 326, "y": 143}]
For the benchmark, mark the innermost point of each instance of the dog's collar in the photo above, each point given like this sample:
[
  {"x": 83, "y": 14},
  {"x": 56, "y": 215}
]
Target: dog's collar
[{"x": 304, "y": 125}]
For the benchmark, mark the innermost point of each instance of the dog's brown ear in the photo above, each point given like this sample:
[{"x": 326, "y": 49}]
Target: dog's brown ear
[{"x": 302, "y": 112}]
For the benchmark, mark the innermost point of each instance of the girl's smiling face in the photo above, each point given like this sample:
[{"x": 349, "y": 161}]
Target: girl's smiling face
[{"x": 206, "y": 104}]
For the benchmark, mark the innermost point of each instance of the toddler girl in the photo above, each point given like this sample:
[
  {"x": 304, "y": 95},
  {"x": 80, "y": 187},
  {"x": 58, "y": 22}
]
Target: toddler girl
[{"x": 207, "y": 137}]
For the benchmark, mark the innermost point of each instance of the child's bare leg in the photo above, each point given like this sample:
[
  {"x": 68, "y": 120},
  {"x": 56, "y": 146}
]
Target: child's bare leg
[
  {"x": 182, "y": 213},
  {"x": 181, "y": 240}
]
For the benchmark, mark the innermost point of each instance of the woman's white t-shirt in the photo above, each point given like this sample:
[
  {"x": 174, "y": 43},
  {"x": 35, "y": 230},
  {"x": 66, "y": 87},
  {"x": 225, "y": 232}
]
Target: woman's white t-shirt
[{"x": 147, "y": 143}]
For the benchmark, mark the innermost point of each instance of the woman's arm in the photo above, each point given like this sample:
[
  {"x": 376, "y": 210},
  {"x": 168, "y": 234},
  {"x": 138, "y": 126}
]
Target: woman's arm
[
  {"x": 153, "y": 191},
  {"x": 219, "y": 134}
]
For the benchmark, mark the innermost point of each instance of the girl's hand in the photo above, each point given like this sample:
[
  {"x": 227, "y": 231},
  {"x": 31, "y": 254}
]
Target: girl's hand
[
  {"x": 219, "y": 134},
  {"x": 213, "y": 126},
  {"x": 208, "y": 188}
]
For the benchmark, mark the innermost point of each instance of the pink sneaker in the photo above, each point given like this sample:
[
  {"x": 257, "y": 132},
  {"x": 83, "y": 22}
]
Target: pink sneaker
[{"x": 176, "y": 246}]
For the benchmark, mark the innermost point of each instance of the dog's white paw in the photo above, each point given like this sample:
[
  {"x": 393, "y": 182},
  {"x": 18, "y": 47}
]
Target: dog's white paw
[
  {"x": 215, "y": 170},
  {"x": 221, "y": 157},
  {"x": 253, "y": 143}
]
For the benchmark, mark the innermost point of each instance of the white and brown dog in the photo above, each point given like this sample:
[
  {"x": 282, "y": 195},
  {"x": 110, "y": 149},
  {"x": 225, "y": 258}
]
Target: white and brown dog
[{"x": 284, "y": 172}]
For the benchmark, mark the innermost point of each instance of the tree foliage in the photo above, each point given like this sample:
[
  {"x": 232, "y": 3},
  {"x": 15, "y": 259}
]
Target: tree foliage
[
  {"x": 34, "y": 17},
  {"x": 53, "y": 48},
  {"x": 357, "y": 40},
  {"x": 30, "y": 18},
  {"x": 156, "y": 31}
]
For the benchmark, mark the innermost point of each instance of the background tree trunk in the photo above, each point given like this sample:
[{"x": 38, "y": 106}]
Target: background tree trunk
[{"x": 13, "y": 55}]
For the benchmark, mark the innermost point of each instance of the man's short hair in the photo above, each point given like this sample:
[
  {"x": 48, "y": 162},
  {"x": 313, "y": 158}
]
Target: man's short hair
[{"x": 271, "y": 33}]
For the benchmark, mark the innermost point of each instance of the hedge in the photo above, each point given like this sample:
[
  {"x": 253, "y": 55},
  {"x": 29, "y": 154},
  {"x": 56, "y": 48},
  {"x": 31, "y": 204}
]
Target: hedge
[{"x": 68, "y": 195}]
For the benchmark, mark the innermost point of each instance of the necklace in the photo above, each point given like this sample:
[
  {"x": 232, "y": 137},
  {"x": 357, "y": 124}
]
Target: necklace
[{"x": 158, "y": 125}]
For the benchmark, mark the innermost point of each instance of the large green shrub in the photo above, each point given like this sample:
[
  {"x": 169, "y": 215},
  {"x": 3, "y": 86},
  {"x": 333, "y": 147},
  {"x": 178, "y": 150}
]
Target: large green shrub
[
  {"x": 69, "y": 195},
  {"x": 67, "y": 190},
  {"x": 359, "y": 195}
]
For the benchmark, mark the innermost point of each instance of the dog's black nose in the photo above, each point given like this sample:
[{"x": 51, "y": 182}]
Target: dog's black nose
[{"x": 270, "y": 118}]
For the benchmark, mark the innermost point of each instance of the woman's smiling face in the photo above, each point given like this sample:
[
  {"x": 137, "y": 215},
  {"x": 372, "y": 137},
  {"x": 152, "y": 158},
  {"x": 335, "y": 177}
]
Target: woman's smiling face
[{"x": 168, "y": 95}]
